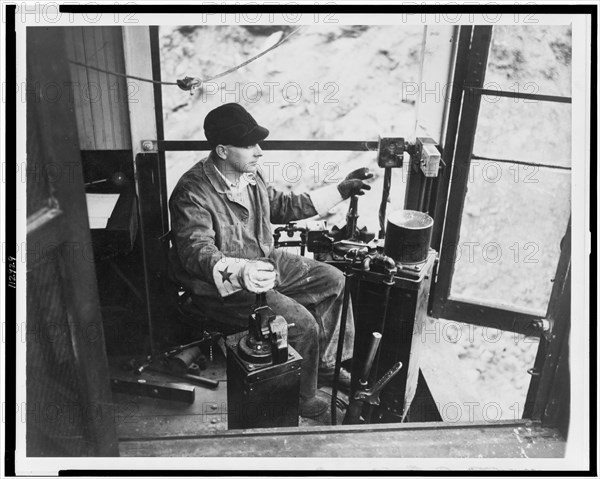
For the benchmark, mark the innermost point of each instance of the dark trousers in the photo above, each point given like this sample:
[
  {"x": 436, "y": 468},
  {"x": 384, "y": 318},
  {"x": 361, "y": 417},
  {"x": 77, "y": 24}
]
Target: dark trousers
[{"x": 310, "y": 295}]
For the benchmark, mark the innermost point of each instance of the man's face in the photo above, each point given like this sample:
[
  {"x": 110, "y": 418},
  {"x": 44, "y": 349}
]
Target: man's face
[{"x": 242, "y": 159}]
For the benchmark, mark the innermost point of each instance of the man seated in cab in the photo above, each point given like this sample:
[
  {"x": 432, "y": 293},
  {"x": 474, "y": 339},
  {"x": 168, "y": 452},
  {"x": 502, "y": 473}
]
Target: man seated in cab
[{"x": 221, "y": 215}]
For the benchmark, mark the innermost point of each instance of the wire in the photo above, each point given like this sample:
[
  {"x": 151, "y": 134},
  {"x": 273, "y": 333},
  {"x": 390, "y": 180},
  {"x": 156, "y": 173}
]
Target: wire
[
  {"x": 110, "y": 72},
  {"x": 192, "y": 81},
  {"x": 256, "y": 57},
  {"x": 526, "y": 163}
]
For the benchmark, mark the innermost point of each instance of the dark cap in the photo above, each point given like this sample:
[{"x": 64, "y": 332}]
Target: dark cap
[{"x": 231, "y": 124}]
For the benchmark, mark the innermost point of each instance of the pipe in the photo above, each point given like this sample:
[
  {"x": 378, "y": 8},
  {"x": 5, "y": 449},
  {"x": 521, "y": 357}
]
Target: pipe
[
  {"x": 364, "y": 377},
  {"x": 391, "y": 269},
  {"x": 342, "y": 333}
]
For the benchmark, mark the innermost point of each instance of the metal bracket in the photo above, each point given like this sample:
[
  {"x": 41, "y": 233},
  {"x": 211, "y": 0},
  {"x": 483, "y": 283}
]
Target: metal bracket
[
  {"x": 542, "y": 326},
  {"x": 427, "y": 156}
]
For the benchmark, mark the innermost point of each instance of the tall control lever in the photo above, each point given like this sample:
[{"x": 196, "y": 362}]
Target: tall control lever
[
  {"x": 369, "y": 396},
  {"x": 355, "y": 407}
]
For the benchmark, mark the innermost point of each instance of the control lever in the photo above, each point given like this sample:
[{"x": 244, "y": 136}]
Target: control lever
[
  {"x": 267, "y": 338},
  {"x": 371, "y": 396},
  {"x": 278, "y": 329},
  {"x": 352, "y": 218},
  {"x": 167, "y": 353},
  {"x": 364, "y": 377},
  {"x": 355, "y": 407}
]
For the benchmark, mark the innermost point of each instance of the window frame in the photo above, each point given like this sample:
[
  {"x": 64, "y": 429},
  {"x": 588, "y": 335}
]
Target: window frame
[{"x": 472, "y": 56}]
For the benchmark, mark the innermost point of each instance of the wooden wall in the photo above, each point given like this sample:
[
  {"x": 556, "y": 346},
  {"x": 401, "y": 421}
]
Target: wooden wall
[{"x": 100, "y": 99}]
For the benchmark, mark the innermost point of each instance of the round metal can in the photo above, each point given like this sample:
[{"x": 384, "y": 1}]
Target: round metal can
[{"x": 408, "y": 235}]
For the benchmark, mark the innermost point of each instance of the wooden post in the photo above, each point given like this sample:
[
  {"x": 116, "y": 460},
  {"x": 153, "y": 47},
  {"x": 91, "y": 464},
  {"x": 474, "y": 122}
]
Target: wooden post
[
  {"x": 151, "y": 191},
  {"x": 434, "y": 89},
  {"x": 136, "y": 44},
  {"x": 435, "y": 80}
]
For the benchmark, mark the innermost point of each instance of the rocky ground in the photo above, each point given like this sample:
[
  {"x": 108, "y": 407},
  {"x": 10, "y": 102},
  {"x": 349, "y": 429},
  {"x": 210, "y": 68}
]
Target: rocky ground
[{"x": 350, "y": 82}]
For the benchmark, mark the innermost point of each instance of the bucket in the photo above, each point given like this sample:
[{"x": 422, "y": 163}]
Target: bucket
[{"x": 407, "y": 236}]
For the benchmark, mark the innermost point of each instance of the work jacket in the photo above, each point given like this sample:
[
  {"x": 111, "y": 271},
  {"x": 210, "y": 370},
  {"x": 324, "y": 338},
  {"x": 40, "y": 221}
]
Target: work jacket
[{"x": 208, "y": 224}]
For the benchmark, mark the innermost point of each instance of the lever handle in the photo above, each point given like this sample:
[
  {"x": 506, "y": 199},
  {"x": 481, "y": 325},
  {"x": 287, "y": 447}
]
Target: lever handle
[
  {"x": 352, "y": 217},
  {"x": 387, "y": 377},
  {"x": 379, "y": 385},
  {"x": 370, "y": 396},
  {"x": 261, "y": 299},
  {"x": 364, "y": 377}
]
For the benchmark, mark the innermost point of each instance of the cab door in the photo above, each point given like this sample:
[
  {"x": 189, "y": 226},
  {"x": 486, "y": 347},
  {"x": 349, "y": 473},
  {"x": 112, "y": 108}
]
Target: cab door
[{"x": 501, "y": 202}]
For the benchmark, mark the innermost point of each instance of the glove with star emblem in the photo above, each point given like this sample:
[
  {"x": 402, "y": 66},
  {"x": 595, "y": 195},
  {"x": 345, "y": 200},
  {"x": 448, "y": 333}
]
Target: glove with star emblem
[
  {"x": 258, "y": 276},
  {"x": 236, "y": 274}
]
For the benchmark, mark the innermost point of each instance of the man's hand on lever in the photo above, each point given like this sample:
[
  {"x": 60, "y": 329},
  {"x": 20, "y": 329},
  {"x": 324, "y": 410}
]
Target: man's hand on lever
[
  {"x": 258, "y": 276},
  {"x": 354, "y": 183}
]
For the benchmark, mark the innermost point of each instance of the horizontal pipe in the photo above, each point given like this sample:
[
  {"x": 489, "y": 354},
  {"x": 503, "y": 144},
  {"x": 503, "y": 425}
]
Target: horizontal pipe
[
  {"x": 526, "y": 163},
  {"x": 524, "y": 96},
  {"x": 302, "y": 145}
]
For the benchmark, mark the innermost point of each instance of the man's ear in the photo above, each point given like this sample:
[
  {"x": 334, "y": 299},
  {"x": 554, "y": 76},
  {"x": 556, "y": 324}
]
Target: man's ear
[{"x": 221, "y": 151}]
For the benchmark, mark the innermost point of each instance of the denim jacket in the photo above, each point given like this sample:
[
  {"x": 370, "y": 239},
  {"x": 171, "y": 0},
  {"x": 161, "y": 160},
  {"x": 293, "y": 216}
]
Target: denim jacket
[{"x": 207, "y": 223}]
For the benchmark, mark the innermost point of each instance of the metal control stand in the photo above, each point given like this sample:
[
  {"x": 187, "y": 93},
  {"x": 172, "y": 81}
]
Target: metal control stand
[{"x": 263, "y": 373}]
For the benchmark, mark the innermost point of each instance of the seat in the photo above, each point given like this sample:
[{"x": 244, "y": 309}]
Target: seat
[{"x": 190, "y": 314}]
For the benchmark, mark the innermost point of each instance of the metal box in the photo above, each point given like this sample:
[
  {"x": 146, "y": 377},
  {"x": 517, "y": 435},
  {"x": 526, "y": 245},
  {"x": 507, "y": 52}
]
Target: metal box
[
  {"x": 390, "y": 152},
  {"x": 430, "y": 161},
  {"x": 261, "y": 395}
]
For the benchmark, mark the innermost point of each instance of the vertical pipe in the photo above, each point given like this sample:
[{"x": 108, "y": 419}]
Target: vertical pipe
[
  {"x": 340, "y": 345},
  {"x": 387, "y": 183}
]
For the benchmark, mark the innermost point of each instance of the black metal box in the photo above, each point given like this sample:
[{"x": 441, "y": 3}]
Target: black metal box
[{"x": 261, "y": 395}]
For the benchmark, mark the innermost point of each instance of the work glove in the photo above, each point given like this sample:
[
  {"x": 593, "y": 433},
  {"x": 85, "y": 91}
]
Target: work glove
[
  {"x": 353, "y": 184},
  {"x": 258, "y": 276}
]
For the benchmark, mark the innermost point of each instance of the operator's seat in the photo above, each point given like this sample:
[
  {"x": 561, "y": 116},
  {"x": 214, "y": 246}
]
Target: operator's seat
[{"x": 189, "y": 313}]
